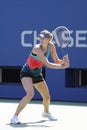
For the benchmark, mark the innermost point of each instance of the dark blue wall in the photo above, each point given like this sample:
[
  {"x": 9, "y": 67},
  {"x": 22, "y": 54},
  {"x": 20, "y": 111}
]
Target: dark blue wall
[{"x": 20, "y": 23}]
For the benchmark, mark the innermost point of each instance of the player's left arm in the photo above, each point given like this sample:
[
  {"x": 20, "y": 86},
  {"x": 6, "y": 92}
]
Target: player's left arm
[{"x": 54, "y": 54}]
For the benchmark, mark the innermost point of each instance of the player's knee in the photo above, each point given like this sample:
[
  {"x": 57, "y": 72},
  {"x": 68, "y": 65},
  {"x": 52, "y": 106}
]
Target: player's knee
[
  {"x": 47, "y": 98},
  {"x": 30, "y": 95}
]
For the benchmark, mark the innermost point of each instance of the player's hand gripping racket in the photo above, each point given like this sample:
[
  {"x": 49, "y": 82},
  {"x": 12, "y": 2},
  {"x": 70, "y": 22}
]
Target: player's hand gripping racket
[{"x": 61, "y": 35}]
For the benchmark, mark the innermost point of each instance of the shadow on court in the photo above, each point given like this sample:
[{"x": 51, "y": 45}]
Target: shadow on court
[{"x": 30, "y": 124}]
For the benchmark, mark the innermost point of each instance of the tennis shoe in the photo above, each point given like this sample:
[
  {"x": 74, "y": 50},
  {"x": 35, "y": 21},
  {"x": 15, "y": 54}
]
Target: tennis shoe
[
  {"x": 15, "y": 120},
  {"x": 49, "y": 116}
]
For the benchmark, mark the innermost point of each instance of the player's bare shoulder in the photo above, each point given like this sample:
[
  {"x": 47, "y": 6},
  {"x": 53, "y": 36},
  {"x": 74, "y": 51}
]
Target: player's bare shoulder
[{"x": 36, "y": 48}]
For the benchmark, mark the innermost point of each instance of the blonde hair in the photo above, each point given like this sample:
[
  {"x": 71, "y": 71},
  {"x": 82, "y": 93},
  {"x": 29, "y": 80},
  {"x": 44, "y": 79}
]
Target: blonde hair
[{"x": 49, "y": 33}]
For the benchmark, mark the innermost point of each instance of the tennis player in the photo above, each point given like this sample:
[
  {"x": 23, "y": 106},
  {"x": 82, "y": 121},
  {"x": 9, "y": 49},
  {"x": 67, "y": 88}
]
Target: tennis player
[{"x": 31, "y": 73}]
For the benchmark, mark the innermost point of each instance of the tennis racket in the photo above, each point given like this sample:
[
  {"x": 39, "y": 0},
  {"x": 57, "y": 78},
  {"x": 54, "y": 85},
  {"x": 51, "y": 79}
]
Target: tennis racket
[{"x": 62, "y": 36}]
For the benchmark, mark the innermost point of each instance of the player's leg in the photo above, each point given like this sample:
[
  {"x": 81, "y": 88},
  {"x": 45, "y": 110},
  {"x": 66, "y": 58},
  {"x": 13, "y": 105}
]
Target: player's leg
[
  {"x": 28, "y": 87},
  {"x": 43, "y": 90}
]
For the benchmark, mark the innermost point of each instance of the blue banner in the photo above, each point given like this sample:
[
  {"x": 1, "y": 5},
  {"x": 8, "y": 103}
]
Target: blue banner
[{"x": 21, "y": 21}]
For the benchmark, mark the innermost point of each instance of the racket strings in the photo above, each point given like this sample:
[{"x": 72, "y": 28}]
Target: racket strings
[{"x": 62, "y": 37}]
